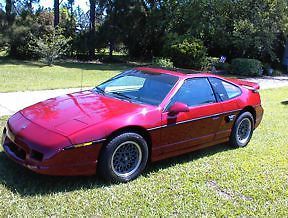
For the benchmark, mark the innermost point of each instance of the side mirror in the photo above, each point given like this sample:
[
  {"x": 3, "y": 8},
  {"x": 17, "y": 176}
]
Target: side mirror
[{"x": 178, "y": 107}]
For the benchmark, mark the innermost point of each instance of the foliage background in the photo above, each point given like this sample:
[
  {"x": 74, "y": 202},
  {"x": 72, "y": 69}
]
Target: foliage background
[{"x": 255, "y": 29}]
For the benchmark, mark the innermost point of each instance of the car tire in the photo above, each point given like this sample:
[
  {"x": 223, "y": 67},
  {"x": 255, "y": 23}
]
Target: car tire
[
  {"x": 123, "y": 158},
  {"x": 242, "y": 130}
]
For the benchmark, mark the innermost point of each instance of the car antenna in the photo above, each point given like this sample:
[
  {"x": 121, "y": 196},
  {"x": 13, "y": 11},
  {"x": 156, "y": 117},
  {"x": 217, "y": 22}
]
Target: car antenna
[{"x": 81, "y": 86}]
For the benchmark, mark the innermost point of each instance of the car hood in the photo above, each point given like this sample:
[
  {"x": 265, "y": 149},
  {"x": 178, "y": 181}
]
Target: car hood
[{"x": 74, "y": 112}]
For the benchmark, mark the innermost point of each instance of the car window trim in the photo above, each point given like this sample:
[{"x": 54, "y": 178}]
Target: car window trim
[
  {"x": 195, "y": 119},
  {"x": 135, "y": 101},
  {"x": 165, "y": 109},
  {"x": 217, "y": 98},
  {"x": 225, "y": 89}
]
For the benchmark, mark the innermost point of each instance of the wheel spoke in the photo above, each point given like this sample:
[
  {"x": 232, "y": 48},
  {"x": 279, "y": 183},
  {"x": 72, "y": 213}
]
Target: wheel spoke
[{"x": 244, "y": 130}]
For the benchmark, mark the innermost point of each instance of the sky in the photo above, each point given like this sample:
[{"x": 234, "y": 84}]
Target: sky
[
  {"x": 82, "y": 3},
  {"x": 49, "y": 3}
]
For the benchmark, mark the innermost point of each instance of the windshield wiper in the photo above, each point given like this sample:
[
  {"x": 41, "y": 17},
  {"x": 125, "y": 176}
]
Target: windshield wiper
[
  {"x": 121, "y": 95},
  {"x": 99, "y": 90}
]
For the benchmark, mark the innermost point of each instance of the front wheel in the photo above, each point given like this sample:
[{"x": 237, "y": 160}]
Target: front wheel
[
  {"x": 242, "y": 130},
  {"x": 124, "y": 158}
]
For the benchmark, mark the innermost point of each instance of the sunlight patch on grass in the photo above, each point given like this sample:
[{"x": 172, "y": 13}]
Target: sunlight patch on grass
[{"x": 26, "y": 75}]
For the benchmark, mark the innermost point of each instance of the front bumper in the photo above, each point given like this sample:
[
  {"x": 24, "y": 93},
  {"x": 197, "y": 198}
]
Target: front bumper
[{"x": 76, "y": 161}]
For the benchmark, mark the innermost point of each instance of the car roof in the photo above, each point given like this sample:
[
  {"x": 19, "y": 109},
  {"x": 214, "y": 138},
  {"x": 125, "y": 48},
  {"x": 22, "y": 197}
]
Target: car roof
[{"x": 182, "y": 73}]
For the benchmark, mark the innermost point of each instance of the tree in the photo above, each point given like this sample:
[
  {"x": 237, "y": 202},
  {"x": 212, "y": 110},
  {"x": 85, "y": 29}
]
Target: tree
[
  {"x": 25, "y": 6},
  {"x": 9, "y": 14},
  {"x": 29, "y": 6},
  {"x": 242, "y": 28},
  {"x": 92, "y": 28},
  {"x": 140, "y": 25},
  {"x": 186, "y": 51},
  {"x": 51, "y": 46},
  {"x": 258, "y": 29},
  {"x": 56, "y": 13},
  {"x": 24, "y": 29},
  {"x": 109, "y": 31},
  {"x": 68, "y": 25},
  {"x": 69, "y": 5},
  {"x": 68, "y": 20},
  {"x": 245, "y": 28},
  {"x": 82, "y": 19}
]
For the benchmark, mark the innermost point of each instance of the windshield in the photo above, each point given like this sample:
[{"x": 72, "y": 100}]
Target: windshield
[{"x": 139, "y": 86}]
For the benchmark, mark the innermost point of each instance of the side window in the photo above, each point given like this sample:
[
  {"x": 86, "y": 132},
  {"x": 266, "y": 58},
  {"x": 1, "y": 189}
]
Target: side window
[
  {"x": 194, "y": 92},
  {"x": 224, "y": 90}
]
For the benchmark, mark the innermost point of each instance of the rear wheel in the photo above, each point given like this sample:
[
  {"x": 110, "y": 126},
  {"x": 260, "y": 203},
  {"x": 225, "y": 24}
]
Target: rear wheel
[
  {"x": 242, "y": 130},
  {"x": 124, "y": 158}
]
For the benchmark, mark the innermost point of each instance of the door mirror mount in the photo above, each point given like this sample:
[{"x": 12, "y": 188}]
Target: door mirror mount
[{"x": 177, "y": 108}]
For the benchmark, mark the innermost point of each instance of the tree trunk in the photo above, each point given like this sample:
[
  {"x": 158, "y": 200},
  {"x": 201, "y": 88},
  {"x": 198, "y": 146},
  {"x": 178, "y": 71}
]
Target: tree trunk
[
  {"x": 111, "y": 48},
  {"x": 285, "y": 56},
  {"x": 8, "y": 9},
  {"x": 92, "y": 29},
  {"x": 56, "y": 13}
]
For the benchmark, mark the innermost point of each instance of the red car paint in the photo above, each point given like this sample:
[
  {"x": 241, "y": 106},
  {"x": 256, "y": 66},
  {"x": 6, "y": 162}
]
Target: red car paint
[{"x": 48, "y": 137}]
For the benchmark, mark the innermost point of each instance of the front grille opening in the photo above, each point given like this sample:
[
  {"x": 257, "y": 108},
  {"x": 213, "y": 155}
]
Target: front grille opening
[
  {"x": 19, "y": 152},
  {"x": 36, "y": 155}
]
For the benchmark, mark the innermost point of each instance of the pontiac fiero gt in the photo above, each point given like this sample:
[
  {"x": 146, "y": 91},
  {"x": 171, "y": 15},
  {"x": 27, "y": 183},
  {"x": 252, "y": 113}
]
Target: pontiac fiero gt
[{"x": 141, "y": 115}]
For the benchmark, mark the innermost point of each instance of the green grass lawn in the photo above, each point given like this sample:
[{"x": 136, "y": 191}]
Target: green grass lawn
[
  {"x": 18, "y": 75},
  {"x": 217, "y": 181}
]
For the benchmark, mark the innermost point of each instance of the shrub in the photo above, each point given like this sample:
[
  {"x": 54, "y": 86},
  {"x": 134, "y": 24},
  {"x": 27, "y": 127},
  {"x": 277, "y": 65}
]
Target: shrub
[
  {"x": 186, "y": 51},
  {"x": 213, "y": 63},
  {"x": 223, "y": 66},
  {"x": 163, "y": 62},
  {"x": 50, "y": 46},
  {"x": 248, "y": 67},
  {"x": 210, "y": 63},
  {"x": 277, "y": 73}
]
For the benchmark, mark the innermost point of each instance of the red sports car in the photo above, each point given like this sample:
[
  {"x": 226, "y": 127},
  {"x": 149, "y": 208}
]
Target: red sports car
[{"x": 141, "y": 115}]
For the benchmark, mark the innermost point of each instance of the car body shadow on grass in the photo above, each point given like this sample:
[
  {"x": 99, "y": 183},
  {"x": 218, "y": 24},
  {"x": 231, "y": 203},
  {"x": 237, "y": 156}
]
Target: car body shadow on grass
[
  {"x": 27, "y": 183},
  {"x": 192, "y": 156}
]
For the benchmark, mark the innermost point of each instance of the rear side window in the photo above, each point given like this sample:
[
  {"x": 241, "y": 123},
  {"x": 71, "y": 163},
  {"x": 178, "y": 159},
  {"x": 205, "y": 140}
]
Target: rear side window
[
  {"x": 194, "y": 92},
  {"x": 224, "y": 90}
]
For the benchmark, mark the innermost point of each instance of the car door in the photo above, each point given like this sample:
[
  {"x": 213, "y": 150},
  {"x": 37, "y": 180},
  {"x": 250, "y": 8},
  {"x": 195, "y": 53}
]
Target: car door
[
  {"x": 193, "y": 128},
  {"x": 228, "y": 94}
]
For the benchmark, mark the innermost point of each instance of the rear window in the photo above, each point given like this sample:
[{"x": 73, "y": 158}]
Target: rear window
[{"x": 224, "y": 90}]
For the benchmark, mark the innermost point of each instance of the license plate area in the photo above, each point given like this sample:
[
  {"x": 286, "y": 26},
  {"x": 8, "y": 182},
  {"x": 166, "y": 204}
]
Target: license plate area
[
  {"x": 16, "y": 150},
  {"x": 8, "y": 140}
]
